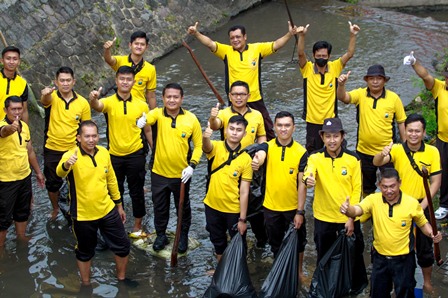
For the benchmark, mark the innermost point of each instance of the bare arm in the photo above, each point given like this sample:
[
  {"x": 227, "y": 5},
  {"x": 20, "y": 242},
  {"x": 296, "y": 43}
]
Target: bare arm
[
  {"x": 95, "y": 103},
  {"x": 281, "y": 42},
  {"x": 205, "y": 40},
  {"x": 341, "y": 93},
  {"x": 244, "y": 199},
  {"x": 383, "y": 157},
  {"x": 107, "y": 52},
  {"x": 402, "y": 131},
  {"x": 32, "y": 159},
  {"x": 421, "y": 71},
  {"x": 301, "y": 198},
  {"x": 354, "y": 29},
  {"x": 25, "y": 114},
  {"x": 301, "y": 45},
  {"x": 151, "y": 99}
]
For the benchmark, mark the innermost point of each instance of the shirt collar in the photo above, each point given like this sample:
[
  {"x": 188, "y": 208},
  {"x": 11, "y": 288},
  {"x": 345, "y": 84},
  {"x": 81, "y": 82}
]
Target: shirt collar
[
  {"x": 328, "y": 155},
  {"x": 397, "y": 202},
  {"x": 236, "y": 150},
  {"x": 317, "y": 71},
  {"x": 165, "y": 113},
  {"x": 75, "y": 96},
  {"x": 85, "y": 153},
  {"x": 280, "y": 145},
  {"x": 5, "y": 77},
  {"x": 248, "y": 110},
  {"x": 121, "y": 99},
  {"x": 383, "y": 94},
  {"x": 407, "y": 150}
]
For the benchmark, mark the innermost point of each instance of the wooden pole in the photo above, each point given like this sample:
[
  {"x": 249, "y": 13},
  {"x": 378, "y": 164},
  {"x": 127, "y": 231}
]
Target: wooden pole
[{"x": 179, "y": 225}]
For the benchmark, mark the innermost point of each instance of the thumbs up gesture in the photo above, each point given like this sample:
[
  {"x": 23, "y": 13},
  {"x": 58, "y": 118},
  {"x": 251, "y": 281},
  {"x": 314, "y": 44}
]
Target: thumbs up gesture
[
  {"x": 207, "y": 132},
  {"x": 343, "y": 78},
  {"x": 141, "y": 122},
  {"x": 193, "y": 29},
  {"x": 95, "y": 94},
  {"x": 214, "y": 112},
  {"x": 345, "y": 206},
  {"x": 310, "y": 181},
  {"x": 108, "y": 44},
  {"x": 409, "y": 60},
  {"x": 387, "y": 149},
  {"x": 72, "y": 160}
]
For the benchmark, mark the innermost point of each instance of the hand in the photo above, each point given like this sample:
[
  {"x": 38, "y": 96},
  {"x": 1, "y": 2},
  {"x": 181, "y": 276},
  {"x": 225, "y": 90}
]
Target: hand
[
  {"x": 255, "y": 162},
  {"x": 409, "y": 60},
  {"x": 207, "y": 132},
  {"x": 141, "y": 122},
  {"x": 40, "y": 180},
  {"x": 292, "y": 29},
  {"x": 95, "y": 94},
  {"x": 354, "y": 29},
  {"x": 47, "y": 90},
  {"x": 345, "y": 206},
  {"x": 72, "y": 160},
  {"x": 192, "y": 30},
  {"x": 310, "y": 181},
  {"x": 108, "y": 44},
  {"x": 387, "y": 149},
  {"x": 186, "y": 174},
  {"x": 301, "y": 30},
  {"x": 121, "y": 212},
  {"x": 343, "y": 78},
  {"x": 349, "y": 227},
  {"x": 298, "y": 221},
  {"x": 242, "y": 227},
  {"x": 437, "y": 238},
  {"x": 214, "y": 112}
]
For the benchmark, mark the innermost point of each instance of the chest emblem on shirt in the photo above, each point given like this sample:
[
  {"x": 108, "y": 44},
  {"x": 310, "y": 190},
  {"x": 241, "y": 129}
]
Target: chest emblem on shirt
[
  {"x": 291, "y": 170},
  {"x": 140, "y": 82},
  {"x": 254, "y": 62},
  {"x": 344, "y": 171},
  {"x": 77, "y": 117},
  {"x": 183, "y": 134},
  {"x": 106, "y": 170},
  {"x": 386, "y": 115},
  {"x": 252, "y": 130},
  {"x": 403, "y": 223},
  {"x": 235, "y": 173}
]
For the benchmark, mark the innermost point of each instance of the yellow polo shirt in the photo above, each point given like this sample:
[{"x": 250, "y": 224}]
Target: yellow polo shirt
[
  {"x": 16, "y": 86},
  {"x": 440, "y": 94}
]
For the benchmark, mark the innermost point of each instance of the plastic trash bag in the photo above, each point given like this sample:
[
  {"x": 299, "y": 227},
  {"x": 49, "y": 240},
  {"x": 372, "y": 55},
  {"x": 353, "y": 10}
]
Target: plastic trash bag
[
  {"x": 283, "y": 279},
  {"x": 231, "y": 278},
  {"x": 333, "y": 274}
]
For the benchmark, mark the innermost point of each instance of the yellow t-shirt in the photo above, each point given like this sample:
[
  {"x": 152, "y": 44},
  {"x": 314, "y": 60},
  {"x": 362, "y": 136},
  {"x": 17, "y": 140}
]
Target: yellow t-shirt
[
  {"x": 283, "y": 165},
  {"x": 393, "y": 225},
  {"x": 145, "y": 79},
  {"x": 336, "y": 178},
  {"x": 376, "y": 119},
  {"x": 319, "y": 91},
  {"x": 172, "y": 150},
  {"x": 62, "y": 120},
  {"x": 123, "y": 134},
  {"x": 245, "y": 66},
  {"x": 254, "y": 129},
  {"x": 14, "y": 154},
  {"x": 16, "y": 86},
  {"x": 224, "y": 187},
  {"x": 440, "y": 94}
]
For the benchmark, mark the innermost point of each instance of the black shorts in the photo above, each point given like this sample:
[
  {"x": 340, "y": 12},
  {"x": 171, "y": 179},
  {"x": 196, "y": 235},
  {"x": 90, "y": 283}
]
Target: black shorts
[
  {"x": 313, "y": 140},
  {"x": 217, "y": 224},
  {"x": 15, "y": 201},
  {"x": 424, "y": 246},
  {"x": 111, "y": 228},
  {"x": 51, "y": 160}
]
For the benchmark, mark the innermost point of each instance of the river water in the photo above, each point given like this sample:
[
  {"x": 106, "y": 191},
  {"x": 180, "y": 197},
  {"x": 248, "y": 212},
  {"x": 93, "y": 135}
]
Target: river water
[{"x": 46, "y": 267}]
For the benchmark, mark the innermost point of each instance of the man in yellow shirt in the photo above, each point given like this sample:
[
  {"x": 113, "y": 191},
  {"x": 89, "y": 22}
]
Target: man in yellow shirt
[
  {"x": 16, "y": 157},
  {"x": 243, "y": 63},
  {"x": 393, "y": 256},
  {"x": 95, "y": 202}
]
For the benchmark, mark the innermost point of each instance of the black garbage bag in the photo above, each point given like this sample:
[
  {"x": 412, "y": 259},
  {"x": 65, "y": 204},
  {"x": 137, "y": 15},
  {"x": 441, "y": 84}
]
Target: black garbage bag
[
  {"x": 333, "y": 275},
  {"x": 231, "y": 278},
  {"x": 283, "y": 279}
]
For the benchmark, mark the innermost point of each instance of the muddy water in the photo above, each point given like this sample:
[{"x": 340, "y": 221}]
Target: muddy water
[{"x": 45, "y": 266}]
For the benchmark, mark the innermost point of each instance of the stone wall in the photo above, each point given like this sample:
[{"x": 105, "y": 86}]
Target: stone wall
[
  {"x": 404, "y": 3},
  {"x": 52, "y": 33}
]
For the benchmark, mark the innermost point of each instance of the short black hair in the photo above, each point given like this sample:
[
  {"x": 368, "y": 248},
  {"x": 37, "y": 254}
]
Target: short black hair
[
  {"x": 10, "y": 49},
  {"x": 86, "y": 123},
  {"x": 240, "y": 83},
  {"x": 139, "y": 34},
  {"x": 237, "y": 27},
  {"x": 173, "y": 86},
  {"x": 12, "y": 98},
  {"x": 322, "y": 44},
  {"x": 238, "y": 119},
  {"x": 125, "y": 70},
  {"x": 65, "y": 69},
  {"x": 388, "y": 173},
  {"x": 415, "y": 118},
  {"x": 284, "y": 114}
]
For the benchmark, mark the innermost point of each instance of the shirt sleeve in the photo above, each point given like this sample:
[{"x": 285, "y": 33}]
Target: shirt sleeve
[
  {"x": 61, "y": 171},
  {"x": 356, "y": 183},
  {"x": 112, "y": 184},
  {"x": 197, "y": 142},
  {"x": 400, "y": 115}
]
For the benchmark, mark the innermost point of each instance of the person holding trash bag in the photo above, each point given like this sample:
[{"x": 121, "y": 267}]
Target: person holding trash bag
[
  {"x": 335, "y": 174},
  {"x": 393, "y": 214}
]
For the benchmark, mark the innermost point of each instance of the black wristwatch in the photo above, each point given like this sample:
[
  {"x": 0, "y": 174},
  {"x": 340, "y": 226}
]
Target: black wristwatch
[
  {"x": 243, "y": 220},
  {"x": 300, "y": 212}
]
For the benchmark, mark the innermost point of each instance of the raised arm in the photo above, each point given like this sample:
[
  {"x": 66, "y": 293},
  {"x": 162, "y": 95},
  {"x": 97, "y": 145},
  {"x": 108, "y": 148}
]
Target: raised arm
[
  {"x": 420, "y": 70},
  {"x": 383, "y": 157},
  {"x": 45, "y": 97},
  {"x": 205, "y": 40},
  {"x": 354, "y": 29},
  {"x": 215, "y": 122},
  {"x": 301, "y": 31},
  {"x": 281, "y": 42},
  {"x": 95, "y": 103},
  {"x": 341, "y": 93},
  {"x": 107, "y": 52},
  {"x": 207, "y": 145}
]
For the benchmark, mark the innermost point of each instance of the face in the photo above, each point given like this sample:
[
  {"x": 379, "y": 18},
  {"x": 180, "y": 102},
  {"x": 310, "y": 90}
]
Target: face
[
  {"x": 390, "y": 188},
  {"x": 284, "y": 127},
  {"x": 65, "y": 83},
  {"x": 376, "y": 83},
  {"x": 172, "y": 100},
  {"x": 237, "y": 40},
  {"x": 124, "y": 82},
  {"x": 321, "y": 54},
  {"x": 138, "y": 46},
  {"x": 239, "y": 96},
  {"x": 235, "y": 132},
  {"x": 14, "y": 110},
  {"x": 11, "y": 60},
  {"x": 414, "y": 133},
  {"x": 89, "y": 138},
  {"x": 332, "y": 141}
]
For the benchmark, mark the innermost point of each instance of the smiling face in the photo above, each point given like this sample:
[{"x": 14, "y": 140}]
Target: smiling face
[
  {"x": 124, "y": 82},
  {"x": 65, "y": 83},
  {"x": 239, "y": 96},
  {"x": 237, "y": 40},
  {"x": 11, "y": 61},
  {"x": 415, "y": 133},
  {"x": 88, "y": 138},
  {"x": 138, "y": 46},
  {"x": 172, "y": 100},
  {"x": 390, "y": 189},
  {"x": 332, "y": 142}
]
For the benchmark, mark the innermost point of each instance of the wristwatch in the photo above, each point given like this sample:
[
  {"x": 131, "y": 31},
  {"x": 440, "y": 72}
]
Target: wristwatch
[
  {"x": 243, "y": 220},
  {"x": 300, "y": 212}
]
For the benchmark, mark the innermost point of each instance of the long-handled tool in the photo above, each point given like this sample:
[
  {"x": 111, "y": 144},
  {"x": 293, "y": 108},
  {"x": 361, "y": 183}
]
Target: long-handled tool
[
  {"x": 221, "y": 101},
  {"x": 292, "y": 25},
  {"x": 432, "y": 219},
  {"x": 179, "y": 225}
]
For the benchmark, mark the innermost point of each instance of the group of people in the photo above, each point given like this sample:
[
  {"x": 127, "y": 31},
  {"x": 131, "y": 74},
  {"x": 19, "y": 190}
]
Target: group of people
[{"x": 344, "y": 181}]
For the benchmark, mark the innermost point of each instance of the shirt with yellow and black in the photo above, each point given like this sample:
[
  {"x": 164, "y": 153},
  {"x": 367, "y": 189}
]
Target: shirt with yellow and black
[
  {"x": 93, "y": 188},
  {"x": 440, "y": 94},
  {"x": 62, "y": 120},
  {"x": 283, "y": 165},
  {"x": 393, "y": 224},
  {"x": 244, "y": 66},
  {"x": 145, "y": 76},
  {"x": 16, "y": 86},
  {"x": 172, "y": 150},
  {"x": 14, "y": 162},
  {"x": 376, "y": 117},
  {"x": 123, "y": 134},
  {"x": 336, "y": 179},
  {"x": 319, "y": 91},
  {"x": 254, "y": 129},
  {"x": 224, "y": 186},
  {"x": 426, "y": 156}
]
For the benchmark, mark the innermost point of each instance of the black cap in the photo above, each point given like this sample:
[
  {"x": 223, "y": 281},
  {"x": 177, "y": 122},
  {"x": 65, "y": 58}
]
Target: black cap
[
  {"x": 376, "y": 70},
  {"x": 332, "y": 125}
]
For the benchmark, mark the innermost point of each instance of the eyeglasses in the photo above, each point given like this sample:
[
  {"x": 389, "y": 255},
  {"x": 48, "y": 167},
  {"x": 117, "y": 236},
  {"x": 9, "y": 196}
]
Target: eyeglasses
[{"x": 239, "y": 94}]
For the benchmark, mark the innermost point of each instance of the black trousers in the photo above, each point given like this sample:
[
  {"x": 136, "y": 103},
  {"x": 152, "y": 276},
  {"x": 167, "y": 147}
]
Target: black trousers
[
  {"x": 268, "y": 125},
  {"x": 369, "y": 173},
  {"x": 443, "y": 150}
]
